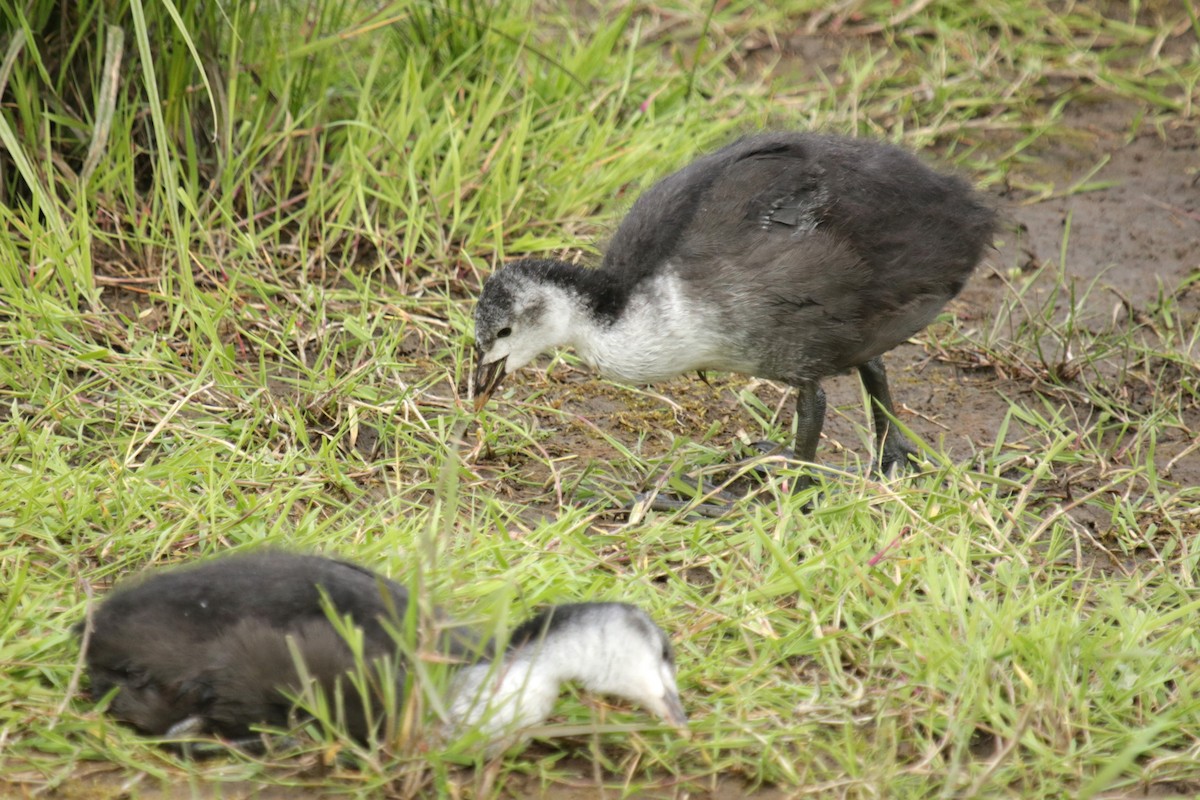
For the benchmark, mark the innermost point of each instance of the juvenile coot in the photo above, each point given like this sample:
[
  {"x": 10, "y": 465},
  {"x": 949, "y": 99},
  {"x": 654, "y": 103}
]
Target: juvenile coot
[
  {"x": 205, "y": 650},
  {"x": 787, "y": 256}
]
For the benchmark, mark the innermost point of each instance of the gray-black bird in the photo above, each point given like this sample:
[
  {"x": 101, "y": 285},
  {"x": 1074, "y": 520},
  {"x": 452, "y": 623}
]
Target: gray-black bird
[
  {"x": 786, "y": 256},
  {"x": 211, "y": 649}
]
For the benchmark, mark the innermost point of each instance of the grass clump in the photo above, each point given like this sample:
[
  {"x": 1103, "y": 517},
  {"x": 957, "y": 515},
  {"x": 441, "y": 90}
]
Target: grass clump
[{"x": 241, "y": 245}]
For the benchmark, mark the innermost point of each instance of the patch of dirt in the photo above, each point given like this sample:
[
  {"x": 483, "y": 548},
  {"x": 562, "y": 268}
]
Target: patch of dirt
[
  {"x": 1124, "y": 249},
  {"x": 1138, "y": 235}
]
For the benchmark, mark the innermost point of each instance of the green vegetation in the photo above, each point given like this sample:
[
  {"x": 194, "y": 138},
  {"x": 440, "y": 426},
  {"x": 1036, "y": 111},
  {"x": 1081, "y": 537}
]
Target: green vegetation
[{"x": 240, "y": 245}]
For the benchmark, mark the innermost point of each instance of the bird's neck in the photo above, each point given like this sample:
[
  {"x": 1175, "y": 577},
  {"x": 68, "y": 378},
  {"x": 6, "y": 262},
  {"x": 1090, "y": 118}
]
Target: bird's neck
[
  {"x": 638, "y": 333},
  {"x": 659, "y": 332},
  {"x": 600, "y": 295},
  {"x": 520, "y": 689}
]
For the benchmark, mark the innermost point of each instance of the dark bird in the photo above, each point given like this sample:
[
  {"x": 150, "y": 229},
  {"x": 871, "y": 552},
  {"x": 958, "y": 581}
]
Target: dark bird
[
  {"x": 208, "y": 650},
  {"x": 787, "y": 256}
]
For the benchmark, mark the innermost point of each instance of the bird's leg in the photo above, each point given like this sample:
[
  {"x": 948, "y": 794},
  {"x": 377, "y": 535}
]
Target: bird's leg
[
  {"x": 718, "y": 500},
  {"x": 893, "y": 448},
  {"x": 810, "y": 419}
]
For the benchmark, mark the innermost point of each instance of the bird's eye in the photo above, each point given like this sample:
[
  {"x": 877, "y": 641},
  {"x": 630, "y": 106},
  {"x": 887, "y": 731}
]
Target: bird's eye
[{"x": 505, "y": 331}]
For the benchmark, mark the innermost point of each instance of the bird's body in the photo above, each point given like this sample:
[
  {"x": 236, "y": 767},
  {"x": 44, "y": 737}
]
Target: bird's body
[
  {"x": 212, "y": 649},
  {"x": 784, "y": 256}
]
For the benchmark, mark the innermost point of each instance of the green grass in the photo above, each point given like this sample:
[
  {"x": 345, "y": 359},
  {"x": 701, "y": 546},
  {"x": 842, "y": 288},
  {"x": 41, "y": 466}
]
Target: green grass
[{"x": 236, "y": 276}]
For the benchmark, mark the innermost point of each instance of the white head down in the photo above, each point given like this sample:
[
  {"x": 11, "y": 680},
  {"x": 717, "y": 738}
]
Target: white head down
[{"x": 609, "y": 648}]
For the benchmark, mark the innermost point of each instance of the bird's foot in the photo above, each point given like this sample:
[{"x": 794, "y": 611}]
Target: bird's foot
[
  {"x": 896, "y": 457},
  {"x": 188, "y": 737},
  {"x": 748, "y": 477},
  {"x": 771, "y": 455},
  {"x": 743, "y": 480},
  {"x": 685, "y": 493}
]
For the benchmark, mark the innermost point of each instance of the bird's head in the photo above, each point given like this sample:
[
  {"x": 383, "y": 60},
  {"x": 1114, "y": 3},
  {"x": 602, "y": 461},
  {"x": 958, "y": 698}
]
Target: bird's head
[
  {"x": 640, "y": 667},
  {"x": 520, "y": 314}
]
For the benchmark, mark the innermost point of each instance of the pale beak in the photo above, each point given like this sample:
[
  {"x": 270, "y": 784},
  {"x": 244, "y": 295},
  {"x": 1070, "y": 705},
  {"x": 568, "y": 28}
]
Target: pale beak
[
  {"x": 487, "y": 378},
  {"x": 672, "y": 711}
]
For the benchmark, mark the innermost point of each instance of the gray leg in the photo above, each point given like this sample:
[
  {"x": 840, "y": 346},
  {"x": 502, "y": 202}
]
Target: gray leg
[
  {"x": 810, "y": 418},
  {"x": 894, "y": 449}
]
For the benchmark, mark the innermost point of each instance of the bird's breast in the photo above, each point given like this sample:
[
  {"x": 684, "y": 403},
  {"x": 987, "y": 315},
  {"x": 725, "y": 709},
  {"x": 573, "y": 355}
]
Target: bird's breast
[{"x": 661, "y": 333}]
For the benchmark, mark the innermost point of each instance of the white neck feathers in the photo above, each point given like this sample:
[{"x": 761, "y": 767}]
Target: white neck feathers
[
  {"x": 520, "y": 688},
  {"x": 659, "y": 334}
]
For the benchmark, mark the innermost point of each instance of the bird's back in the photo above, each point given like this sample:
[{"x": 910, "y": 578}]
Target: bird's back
[
  {"x": 813, "y": 253},
  {"x": 278, "y": 588},
  {"x": 212, "y": 641}
]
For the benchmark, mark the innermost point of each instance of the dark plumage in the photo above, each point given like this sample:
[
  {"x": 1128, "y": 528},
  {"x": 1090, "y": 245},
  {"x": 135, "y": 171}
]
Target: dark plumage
[
  {"x": 204, "y": 650},
  {"x": 205, "y": 647},
  {"x": 788, "y": 256}
]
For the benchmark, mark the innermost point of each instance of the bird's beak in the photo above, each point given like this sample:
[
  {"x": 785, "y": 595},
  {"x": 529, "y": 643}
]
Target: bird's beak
[
  {"x": 487, "y": 378},
  {"x": 672, "y": 711}
]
